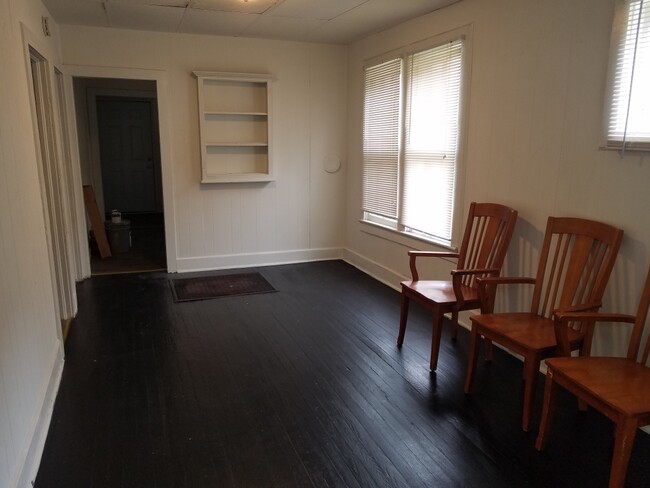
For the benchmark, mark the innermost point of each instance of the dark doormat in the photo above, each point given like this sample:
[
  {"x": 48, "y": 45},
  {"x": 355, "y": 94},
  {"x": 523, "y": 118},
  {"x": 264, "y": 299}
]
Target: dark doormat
[{"x": 206, "y": 287}]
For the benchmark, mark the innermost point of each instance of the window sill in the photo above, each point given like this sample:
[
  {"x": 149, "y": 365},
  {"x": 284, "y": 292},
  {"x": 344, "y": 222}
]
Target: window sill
[
  {"x": 631, "y": 148},
  {"x": 403, "y": 239}
]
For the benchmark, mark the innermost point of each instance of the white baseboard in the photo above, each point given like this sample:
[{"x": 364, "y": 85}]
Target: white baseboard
[
  {"x": 378, "y": 271},
  {"x": 388, "y": 277},
  {"x": 41, "y": 422},
  {"x": 207, "y": 263}
]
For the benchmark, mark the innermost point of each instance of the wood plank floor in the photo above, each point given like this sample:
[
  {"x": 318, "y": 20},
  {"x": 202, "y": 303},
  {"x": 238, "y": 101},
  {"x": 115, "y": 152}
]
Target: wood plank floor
[{"x": 300, "y": 388}]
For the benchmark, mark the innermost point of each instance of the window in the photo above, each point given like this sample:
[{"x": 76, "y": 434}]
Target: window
[
  {"x": 627, "y": 119},
  {"x": 411, "y": 139}
]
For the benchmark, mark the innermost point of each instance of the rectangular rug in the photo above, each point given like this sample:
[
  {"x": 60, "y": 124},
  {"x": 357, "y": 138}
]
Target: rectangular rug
[{"x": 206, "y": 287}]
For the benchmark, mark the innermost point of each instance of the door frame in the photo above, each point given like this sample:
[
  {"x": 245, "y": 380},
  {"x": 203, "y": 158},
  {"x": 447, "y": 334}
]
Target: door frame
[
  {"x": 41, "y": 65},
  {"x": 166, "y": 167},
  {"x": 73, "y": 206}
]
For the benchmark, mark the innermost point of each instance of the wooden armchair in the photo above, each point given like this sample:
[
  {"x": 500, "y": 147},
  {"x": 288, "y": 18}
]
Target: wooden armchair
[
  {"x": 617, "y": 387},
  {"x": 576, "y": 261},
  {"x": 482, "y": 251}
]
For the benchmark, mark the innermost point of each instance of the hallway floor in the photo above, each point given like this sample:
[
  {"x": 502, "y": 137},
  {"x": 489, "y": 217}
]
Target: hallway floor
[{"x": 147, "y": 252}]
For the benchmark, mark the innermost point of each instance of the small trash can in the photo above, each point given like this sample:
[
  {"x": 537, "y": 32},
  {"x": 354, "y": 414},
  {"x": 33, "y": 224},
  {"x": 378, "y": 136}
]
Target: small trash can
[{"x": 119, "y": 235}]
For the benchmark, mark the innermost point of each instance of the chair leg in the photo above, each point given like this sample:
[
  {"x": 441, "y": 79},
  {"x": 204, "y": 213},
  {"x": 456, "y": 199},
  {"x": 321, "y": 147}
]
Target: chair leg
[
  {"x": 435, "y": 338},
  {"x": 403, "y": 316},
  {"x": 625, "y": 432},
  {"x": 454, "y": 326},
  {"x": 474, "y": 343},
  {"x": 585, "y": 350},
  {"x": 531, "y": 370},
  {"x": 582, "y": 405},
  {"x": 548, "y": 409},
  {"x": 488, "y": 350}
]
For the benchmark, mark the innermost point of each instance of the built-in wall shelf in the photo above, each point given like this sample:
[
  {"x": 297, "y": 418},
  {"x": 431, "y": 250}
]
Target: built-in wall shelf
[{"x": 235, "y": 126}]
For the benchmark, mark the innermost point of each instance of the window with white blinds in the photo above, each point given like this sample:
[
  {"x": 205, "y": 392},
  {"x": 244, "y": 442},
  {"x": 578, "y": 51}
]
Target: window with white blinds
[
  {"x": 381, "y": 138},
  {"x": 411, "y": 139},
  {"x": 627, "y": 124}
]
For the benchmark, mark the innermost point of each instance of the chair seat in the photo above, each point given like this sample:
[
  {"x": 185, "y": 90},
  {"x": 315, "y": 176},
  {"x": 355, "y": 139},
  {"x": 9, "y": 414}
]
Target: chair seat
[
  {"x": 440, "y": 292},
  {"x": 623, "y": 384},
  {"x": 523, "y": 330}
]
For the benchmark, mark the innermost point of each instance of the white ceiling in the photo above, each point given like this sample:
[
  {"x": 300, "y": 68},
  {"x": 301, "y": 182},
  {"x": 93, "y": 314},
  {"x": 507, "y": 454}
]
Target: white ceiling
[{"x": 329, "y": 21}]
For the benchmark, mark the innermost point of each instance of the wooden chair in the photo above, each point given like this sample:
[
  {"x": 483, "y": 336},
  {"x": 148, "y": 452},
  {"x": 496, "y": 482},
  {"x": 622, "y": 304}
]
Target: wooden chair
[
  {"x": 617, "y": 387},
  {"x": 482, "y": 251},
  {"x": 576, "y": 261}
]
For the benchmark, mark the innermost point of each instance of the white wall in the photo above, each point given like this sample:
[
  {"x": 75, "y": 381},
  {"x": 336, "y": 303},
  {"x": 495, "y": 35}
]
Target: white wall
[
  {"x": 301, "y": 215},
  {"x": 30, "y": 352},
  {"x": 537, "y": 88}
]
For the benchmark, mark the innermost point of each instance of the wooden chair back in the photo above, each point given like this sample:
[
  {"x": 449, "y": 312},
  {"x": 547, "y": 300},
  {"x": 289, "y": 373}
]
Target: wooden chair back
[
  {"x": 576, "y": 261},
  {"x": 575, "y": 264},
  {"x": 639, "y": 326},
  {"x": 487, "y": 234}
]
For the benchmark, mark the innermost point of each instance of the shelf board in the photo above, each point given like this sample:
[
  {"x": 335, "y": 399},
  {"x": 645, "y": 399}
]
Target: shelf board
[
  {"x": 249, "y": 114},
  {"x": 238, "y": 178},
  {"x": 236, "y": 144},
  {"x": 245, "y": 77}
]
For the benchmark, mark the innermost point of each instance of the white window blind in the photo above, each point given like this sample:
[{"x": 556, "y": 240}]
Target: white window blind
[
  {"x": 411, "y": 140},
  {"x": 381, "y": 138},
  {"x": 432, "y": 117},
  {"x": 628, "y": 121}
]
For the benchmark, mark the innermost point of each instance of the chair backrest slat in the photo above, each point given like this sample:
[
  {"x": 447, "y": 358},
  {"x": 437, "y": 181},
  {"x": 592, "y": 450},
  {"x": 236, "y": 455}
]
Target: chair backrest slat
[
  {"x": 477, "y": 237},
  {"x": 639, "y": 326},
  {"x": 487, "y": 236},
  {"x": 576, "y": 261}
]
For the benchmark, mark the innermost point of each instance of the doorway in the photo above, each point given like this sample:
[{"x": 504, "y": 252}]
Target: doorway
[
  {"x": 125, "y": 172},
  {"x": 126, "y": 154}
]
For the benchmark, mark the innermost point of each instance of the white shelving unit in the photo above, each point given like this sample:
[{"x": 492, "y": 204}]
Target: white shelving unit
[{"x": 235, "y": 125}]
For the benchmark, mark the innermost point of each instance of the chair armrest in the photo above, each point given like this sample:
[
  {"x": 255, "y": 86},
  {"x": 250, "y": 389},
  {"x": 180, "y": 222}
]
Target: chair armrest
[
  {"x": 594, "y": 317},
  {"x": 487, "y": 287},
  {"x": 465, "y": 272},
  {"x": 426, "y": 254},
  {"x": 588, "y": 319},
  {"x": 507, "y": 280},
  {"x": 582, "y": 308},
  {"x": 457, "y": 276}
]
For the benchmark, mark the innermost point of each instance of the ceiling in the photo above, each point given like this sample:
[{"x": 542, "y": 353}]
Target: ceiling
[{"x": 328, "y": 21}]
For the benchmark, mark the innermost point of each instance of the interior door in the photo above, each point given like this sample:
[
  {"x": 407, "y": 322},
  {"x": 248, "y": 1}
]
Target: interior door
[{"x": 126, "y": 153}]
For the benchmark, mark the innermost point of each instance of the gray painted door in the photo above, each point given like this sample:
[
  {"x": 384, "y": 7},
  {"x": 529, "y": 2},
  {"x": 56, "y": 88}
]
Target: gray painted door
[{"x": 126, "y": 152}]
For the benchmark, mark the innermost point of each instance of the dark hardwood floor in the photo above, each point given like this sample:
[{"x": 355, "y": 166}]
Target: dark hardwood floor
[{"x": 300, "y": 388}]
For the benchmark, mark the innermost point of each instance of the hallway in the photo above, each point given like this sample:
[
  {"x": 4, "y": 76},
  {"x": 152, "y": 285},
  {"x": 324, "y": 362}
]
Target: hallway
[{"x": 147, "y": 251}]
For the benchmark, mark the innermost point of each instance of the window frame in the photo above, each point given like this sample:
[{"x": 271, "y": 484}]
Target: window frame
[
  {"x": 392, "y": 229},
  {"x": 618, "y": 34}
]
